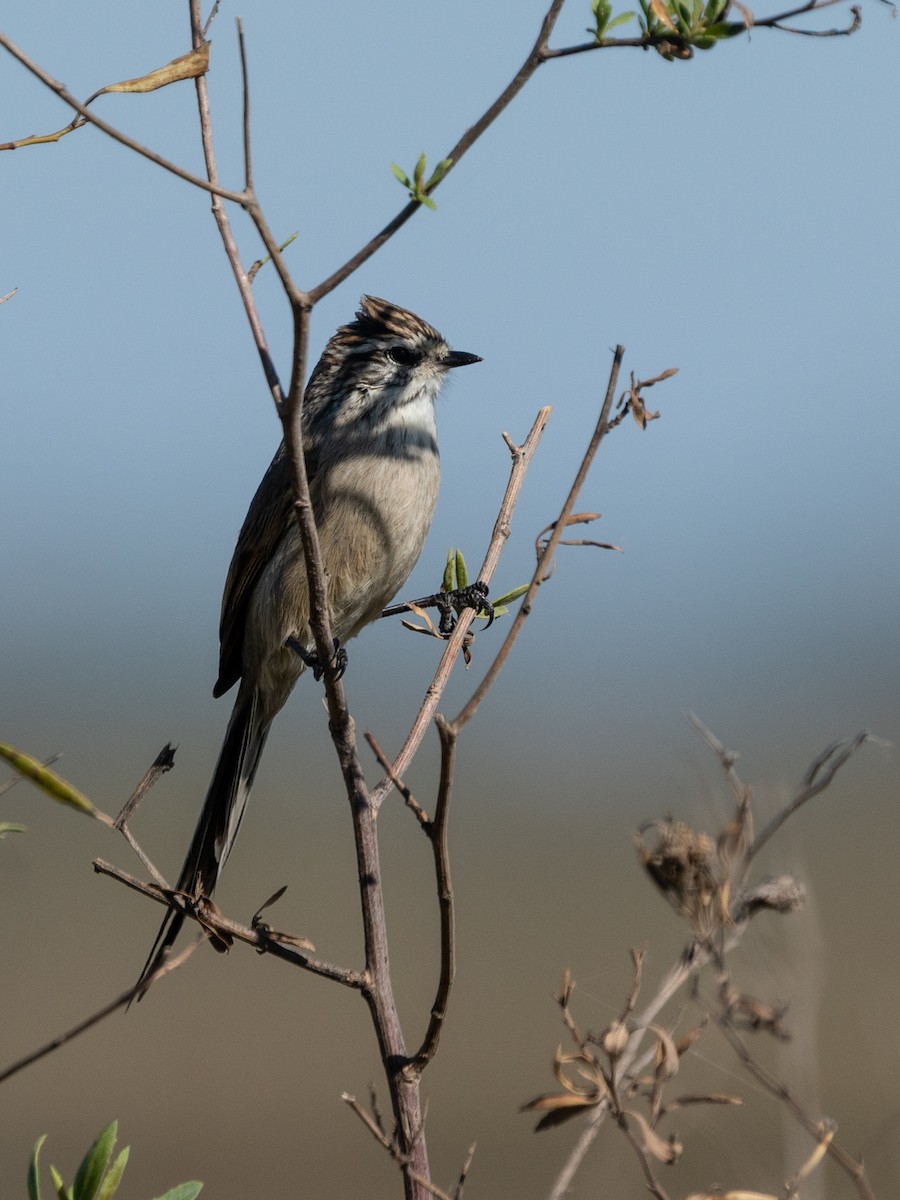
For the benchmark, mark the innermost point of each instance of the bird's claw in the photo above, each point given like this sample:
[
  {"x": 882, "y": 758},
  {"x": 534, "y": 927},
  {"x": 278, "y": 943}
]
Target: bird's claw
[
  {"x": 310, "y": 659},
  {"x": 452, "y": 603}
]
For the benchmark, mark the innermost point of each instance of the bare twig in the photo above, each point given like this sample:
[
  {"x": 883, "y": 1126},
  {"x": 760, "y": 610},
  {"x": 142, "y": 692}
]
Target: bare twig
[
  {"x": 393, "y": 1149},
  {"x": 438, "y": 837},
  {"x": 853, "y": 1167},
  {"x": 288, "y": 947},
  {"x": 163, "y": 762},
  {"x": 121, "y": 1001},
  {"x": 828, "y": 763},
  {"x": 408, "y": 798},
  {"x": 521, "y": 460},
  {"x": 471, "y": 707},
  {"x": 535, "y": 57},
  {"x": 110, "y": 130},
  {"x": 241, "y": 277}
]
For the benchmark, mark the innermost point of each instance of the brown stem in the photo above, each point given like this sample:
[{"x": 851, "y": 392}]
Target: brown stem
[
  {"x": 438, "y": 836},
  {"x": 521, "y": 460},
  {"x": 469, "y": 710},
  {"x": 536, "y": 57}
]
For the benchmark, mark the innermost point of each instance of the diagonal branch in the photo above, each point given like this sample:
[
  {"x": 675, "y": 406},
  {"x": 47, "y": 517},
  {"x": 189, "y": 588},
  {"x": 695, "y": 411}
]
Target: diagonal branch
[
  {"x": 536, "y": 57},
  {"x": 469, "y": 710},
  {"x": 521, "y": 460}
]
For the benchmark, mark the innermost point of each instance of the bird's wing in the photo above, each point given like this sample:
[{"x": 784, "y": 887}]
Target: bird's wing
[{"x": 264, "y": 526}]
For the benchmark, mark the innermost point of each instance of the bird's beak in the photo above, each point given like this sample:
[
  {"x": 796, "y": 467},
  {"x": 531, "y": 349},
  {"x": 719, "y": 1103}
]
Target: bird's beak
[{"x": 459, "y": 358}]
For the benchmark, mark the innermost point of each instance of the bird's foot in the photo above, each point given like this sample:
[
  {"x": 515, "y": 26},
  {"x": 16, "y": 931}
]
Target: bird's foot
[
  {"x": 451, "y": 604},
  {"x": 310, "y": 659}
]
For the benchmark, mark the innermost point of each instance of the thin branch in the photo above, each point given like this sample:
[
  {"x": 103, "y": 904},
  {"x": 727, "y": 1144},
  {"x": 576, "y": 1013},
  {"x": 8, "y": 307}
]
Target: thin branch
[
  {"x": 853, "y": 1167},
  {"x": 241, "y": 277},
  {"x": 121, "y": 1001},
  {"x": 521, "y": 460},
  {"x": 245, "y": 104},
  {"x": 260, "y": 937},
  {"x": 163, "y": 762},
  {"x": 394, "y": 1150},
  {"x": 647, "y": 41},
  {"x": 438, "y": 836},
  {"x": 408, "y": 798},
  {"x": 110, "y": 130},
  {"x": 832, "y": 759},
  {"x": 654, "y": 1187},
  {"x": 469, "y": 710},
  {"x": 536, "y": 57}
]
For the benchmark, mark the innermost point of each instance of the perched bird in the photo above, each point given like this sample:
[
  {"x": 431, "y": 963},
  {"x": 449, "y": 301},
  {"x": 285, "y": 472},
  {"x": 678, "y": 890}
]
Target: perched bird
[{"x": 370, "y": 443}]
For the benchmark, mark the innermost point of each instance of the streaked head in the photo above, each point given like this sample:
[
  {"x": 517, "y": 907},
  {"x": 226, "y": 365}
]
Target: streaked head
[{"x": 386, "y": 357}]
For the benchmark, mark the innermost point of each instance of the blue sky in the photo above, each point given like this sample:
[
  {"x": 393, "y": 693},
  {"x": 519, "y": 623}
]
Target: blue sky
[{"x": 734, "y": 216}]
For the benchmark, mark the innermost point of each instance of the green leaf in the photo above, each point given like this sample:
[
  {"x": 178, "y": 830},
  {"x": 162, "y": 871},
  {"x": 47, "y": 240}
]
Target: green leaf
[
  {"x": 400, "y": 174},
  {"x": 448, "y": 583},
  {"x": 427, "y": 201},
  {"x": 621, "y": 19},
  {"x": 8, "y": 827},
  {"x": 34, "y": 1182},
  {"x": 419, "y": 172},
  {"x": 110, "y": 1184},
  {"x": 90, "y": 1174},
  {"x": 183, "y": 1191},
  {"x": 462, "y": 571},
  {"x": 513, "y": 595},
  {"x": 57, "y": 1182},
  {"x": 439, "y": 172},
  {"x": 602, "y": 10},
  {"x": 48, "y": 781}
]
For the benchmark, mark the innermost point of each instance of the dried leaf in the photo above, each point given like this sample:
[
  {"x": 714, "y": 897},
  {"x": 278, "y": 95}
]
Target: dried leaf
[
  {"x": 557, "y": 1109},
  {"x": 666, "y": 1062},
  {"x": 188, "y": 66},
  {"x": 432, "y": 629},
  {"x": 566, "y": 989},
  {"x": 740, "y": 1195},
  {"x": 685, "y": 1042},
  {"x": 827, "y": 1130},
  {"x": 665, "y": 1150},
  {"x": 711, "y": 1098}
]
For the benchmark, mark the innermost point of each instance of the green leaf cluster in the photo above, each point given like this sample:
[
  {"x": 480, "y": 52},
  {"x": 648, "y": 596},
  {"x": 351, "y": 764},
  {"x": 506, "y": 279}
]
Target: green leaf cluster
[
  {"x": 687, "y": 24},
  {"x": 681, "y": 25},
  {"x": 419, "y": 187},
  {"x": 98, "y": 1177}
]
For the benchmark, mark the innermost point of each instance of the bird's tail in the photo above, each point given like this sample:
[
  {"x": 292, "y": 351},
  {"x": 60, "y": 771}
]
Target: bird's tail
[{"x": 219, "y": 821}]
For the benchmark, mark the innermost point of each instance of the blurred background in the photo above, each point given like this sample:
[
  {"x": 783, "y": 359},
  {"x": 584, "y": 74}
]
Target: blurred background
[{"x": 733, "y": 216}]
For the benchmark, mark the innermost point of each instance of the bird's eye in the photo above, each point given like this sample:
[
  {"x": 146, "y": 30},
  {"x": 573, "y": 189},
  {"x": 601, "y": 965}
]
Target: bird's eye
[{"x": 402, "y": 355}]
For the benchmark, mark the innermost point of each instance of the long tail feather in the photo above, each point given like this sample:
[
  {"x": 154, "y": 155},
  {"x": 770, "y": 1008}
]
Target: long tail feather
[{"x": 219, "y": 821}]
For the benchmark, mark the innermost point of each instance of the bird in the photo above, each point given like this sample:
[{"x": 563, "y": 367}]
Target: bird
[{"x": 371, "y": 452}]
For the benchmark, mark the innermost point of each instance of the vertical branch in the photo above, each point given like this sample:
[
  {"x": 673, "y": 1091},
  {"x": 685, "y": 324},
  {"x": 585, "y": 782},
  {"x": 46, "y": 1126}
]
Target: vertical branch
[
  {"x": 220, "y": 216},
  {"x": 438, "y": 836}
]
